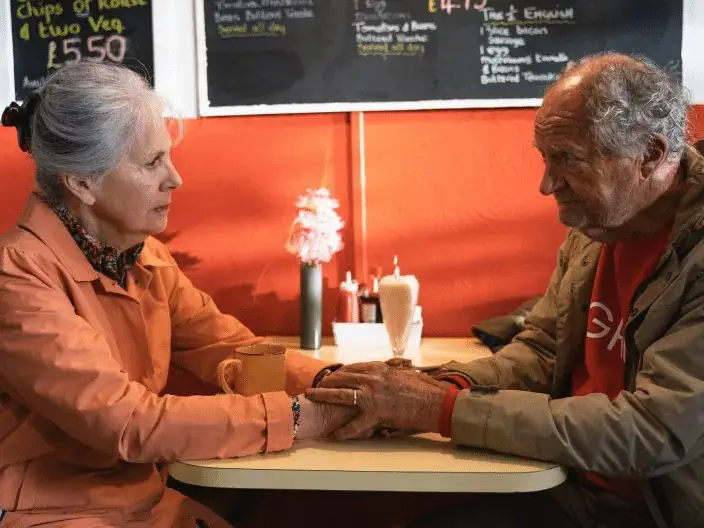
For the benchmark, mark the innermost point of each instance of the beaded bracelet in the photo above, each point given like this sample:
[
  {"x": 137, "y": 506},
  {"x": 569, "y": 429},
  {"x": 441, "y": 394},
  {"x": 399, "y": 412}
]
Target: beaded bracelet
[{"x": 296, "y": 411}]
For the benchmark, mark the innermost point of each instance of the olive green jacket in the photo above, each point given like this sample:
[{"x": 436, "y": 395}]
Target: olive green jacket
[{"x": 654, "y": 430}]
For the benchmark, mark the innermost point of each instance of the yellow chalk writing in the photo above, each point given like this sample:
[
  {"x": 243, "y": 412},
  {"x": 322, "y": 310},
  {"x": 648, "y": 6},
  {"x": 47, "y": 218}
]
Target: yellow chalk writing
[
  {"x": 105, "y": 24},
  {"x": 26, "y": 10},
  {"x": 81, "y": 6},
  {"x": 24, "y": 31},
  {"x": 61, "y": 30},
  {"x": 260, "y": 29},
  {"x": 117, "y": 4}
]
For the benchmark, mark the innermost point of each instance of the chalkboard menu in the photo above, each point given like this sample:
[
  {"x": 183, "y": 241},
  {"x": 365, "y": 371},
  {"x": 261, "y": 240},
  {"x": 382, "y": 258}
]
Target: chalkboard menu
[
  {"x": 271, "y": 56},
  {"x": 46, "y": 35}
]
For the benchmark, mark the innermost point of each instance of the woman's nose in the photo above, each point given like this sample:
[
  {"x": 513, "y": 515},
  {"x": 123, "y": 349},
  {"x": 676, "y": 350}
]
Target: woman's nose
[{"x": 174, "y": 180}]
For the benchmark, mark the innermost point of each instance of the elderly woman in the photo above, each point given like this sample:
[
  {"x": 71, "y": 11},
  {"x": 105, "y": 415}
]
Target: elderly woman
[{"x": 94, "y": 311}]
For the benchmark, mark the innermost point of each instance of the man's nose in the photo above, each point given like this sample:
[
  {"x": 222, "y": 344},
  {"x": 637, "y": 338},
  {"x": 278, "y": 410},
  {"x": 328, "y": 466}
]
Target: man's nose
[{"x": 550, "y": 183}]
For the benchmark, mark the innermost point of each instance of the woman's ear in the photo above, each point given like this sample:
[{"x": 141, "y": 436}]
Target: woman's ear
[{"x": 81, "y": 188}]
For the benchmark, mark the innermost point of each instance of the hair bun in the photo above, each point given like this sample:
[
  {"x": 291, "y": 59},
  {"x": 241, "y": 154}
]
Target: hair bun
[
  {"x": 20, "y": 117},
  {"x": 12, "y": 115}
]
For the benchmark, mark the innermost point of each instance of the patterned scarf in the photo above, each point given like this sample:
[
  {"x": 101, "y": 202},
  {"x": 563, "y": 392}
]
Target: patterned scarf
[{"x": 104, "y": 259}]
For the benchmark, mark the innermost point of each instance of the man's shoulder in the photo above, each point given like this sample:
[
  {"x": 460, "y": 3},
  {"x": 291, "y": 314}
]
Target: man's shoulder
[{"x": 574, "y": 246}]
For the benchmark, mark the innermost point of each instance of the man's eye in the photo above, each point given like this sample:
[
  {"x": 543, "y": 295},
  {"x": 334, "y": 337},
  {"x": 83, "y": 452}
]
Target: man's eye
[
  {"x": 562, "y": 157},
  {"x": 156, "y": 161}
]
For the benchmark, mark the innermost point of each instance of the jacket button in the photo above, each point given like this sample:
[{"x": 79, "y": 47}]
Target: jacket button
[{"x": 585, "y": 262}]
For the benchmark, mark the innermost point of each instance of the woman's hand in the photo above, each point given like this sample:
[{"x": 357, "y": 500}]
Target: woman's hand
[{"x": 320, "y": 420}]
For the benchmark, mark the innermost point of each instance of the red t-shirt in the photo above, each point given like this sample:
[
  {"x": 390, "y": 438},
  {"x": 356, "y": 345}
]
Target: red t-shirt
[{"x": 621, "y": 268}]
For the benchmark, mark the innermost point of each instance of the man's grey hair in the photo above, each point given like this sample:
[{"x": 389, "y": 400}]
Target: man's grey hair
[
  {"x": 630, "y": 101},
  {"x": 88, "y": 117}
]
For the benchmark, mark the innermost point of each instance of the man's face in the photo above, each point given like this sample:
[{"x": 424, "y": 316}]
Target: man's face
[{"x": 596, "y": 193}]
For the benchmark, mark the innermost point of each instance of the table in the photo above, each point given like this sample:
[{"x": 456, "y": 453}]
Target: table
[
  {"x": 433, "y": 351},
  {"x": 420, "y": 463}
]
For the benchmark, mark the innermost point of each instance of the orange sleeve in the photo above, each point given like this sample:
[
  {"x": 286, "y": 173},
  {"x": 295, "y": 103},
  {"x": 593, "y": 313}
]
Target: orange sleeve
[
  {"x": 301, "y": 370},
  {"x": 58, "y": 366},
  {"x": 202, "y": 336}
]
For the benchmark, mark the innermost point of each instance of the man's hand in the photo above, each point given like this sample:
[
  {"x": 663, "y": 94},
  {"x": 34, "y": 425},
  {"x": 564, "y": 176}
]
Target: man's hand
[
  {"x": 396, "y": 363},
  {"x": 319, "y": 420},
  {"x": 396, "y": 397}
]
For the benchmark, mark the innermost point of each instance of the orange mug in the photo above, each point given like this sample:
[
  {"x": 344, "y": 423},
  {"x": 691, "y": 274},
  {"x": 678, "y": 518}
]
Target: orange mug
[{"x": 255, "y": 369}]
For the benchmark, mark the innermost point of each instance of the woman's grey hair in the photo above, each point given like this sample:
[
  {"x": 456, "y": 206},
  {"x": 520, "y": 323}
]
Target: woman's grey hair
[
  {"x": 88, "y": 116},
  {"x": 630, "y": 101}
]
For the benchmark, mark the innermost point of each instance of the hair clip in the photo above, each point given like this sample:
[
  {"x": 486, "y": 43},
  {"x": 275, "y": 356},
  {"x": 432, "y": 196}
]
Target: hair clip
[
  {"x": 20, "y": 117},
  {"x": 12, "y": 116}
]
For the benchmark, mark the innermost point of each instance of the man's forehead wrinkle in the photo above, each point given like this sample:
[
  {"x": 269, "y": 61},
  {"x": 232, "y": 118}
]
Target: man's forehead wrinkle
[
  {"x": 559, "y": 117},
  {"x": 558, "y": 120}
]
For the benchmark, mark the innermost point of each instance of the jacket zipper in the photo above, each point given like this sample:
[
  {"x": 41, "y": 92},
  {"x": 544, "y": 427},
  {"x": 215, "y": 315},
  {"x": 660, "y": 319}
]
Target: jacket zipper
[{"x": 632, "y": 367}]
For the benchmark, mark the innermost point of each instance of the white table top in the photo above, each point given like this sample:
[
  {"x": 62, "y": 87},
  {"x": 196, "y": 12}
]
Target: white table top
[
  {"x": 432, "y": 351},
  {"x": 428, "y": 462}
]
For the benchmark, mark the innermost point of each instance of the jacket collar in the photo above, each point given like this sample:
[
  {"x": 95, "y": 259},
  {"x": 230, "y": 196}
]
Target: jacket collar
[
  {"x": 690, "y": 213},
  {"x": 38, "y": 218},
  {"x": 149, "y": 258},
  {"x": 107, "y": 260},
  {"x": 689, "y": 216},
  {"x": 687, "y": 233},
  {"x": 585, "y": 256}
]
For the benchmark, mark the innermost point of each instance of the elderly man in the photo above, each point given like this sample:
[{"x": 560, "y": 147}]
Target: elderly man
[{"x": 607, "y": 376}]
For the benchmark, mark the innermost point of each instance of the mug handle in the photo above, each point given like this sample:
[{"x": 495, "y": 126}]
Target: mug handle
[{"x": 222, "y": 370}]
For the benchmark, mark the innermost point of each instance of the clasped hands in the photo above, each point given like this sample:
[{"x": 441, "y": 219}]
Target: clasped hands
[{"x": 360, "y": 398}]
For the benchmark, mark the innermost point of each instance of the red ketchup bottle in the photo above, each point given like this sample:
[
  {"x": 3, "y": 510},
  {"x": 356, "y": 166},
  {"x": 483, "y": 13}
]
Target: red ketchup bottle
[
  {"x": 348, "y": 303},
  {"x": 369, "y": 305}
]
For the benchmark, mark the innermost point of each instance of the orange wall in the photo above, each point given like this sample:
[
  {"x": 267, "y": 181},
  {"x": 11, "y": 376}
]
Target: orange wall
[{"x": 453, "y": 193}]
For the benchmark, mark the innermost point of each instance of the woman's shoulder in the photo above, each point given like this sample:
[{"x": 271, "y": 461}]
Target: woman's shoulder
[
  {"x": 155, "y": 253},
  {"x": 20, "y": 248},
  {"x": 18, "y": 240}
]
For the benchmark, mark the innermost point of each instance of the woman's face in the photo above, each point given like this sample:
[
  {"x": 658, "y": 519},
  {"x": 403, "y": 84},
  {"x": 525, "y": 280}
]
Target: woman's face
[{"x": 132, "y": 202}]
